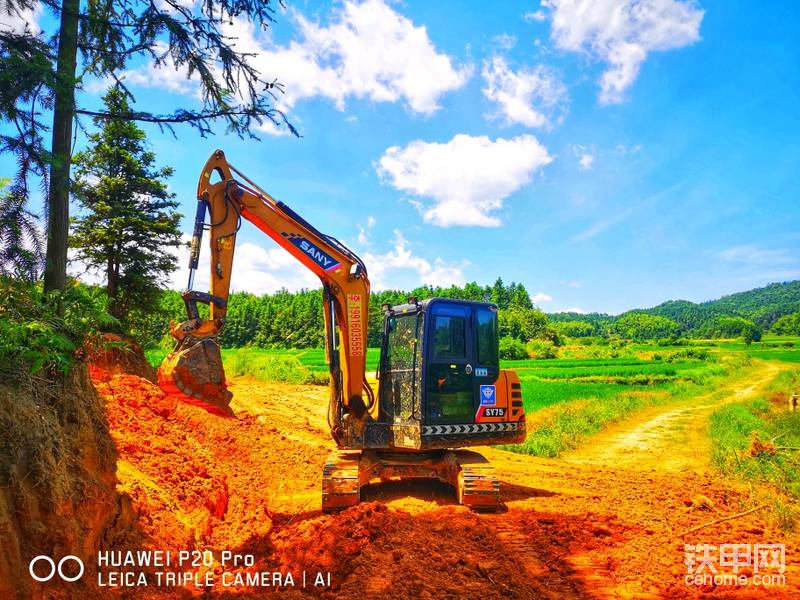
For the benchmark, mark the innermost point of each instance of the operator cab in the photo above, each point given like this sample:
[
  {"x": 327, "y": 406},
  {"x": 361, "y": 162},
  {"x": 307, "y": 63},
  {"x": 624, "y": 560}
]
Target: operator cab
[{"x": 440, "y": 379}]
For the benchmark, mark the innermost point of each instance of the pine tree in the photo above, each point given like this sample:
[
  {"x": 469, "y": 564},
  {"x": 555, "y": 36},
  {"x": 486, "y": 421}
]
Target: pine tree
[
  {"x": 130, "y": 220},
  {"x": 20, "y": 240},
  {"x": 41, "y": 76}
]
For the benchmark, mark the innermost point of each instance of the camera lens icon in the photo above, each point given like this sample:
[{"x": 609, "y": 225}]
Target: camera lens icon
[{"x": 55, "y": 568}]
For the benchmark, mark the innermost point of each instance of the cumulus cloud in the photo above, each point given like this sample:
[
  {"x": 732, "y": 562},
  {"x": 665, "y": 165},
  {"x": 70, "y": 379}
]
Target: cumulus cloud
[
  {"x": 622, "y": 33},
  {"x": 255, "y": 269},
  {"x": 576, "y": 310},
  {"x": 532, "y": 97},
  {"x": 402, "y": 258},
  {"x": 260, "y": 270},
  {"x": 584, "y": 155},
  {"x": 367, "y": 50},
  {"x": 467, "y": 179},
  {"x": 540, "y": 297}
]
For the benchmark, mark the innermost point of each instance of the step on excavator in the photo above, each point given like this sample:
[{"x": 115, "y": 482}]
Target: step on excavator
[{"x": 440, "y": 385}]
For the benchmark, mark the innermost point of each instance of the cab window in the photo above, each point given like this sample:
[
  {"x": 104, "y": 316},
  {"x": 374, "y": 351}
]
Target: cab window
[
  {"x": 487, "y": 336},
  {"x": 449, "y": 337}
]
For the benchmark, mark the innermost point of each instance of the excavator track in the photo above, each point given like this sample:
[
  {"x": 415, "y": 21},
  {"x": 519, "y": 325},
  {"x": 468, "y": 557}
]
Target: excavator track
[
  {"x": 478, "y": 486},
  {"x": 341, "y": 486},
  {"x": 472, "y": 476}
]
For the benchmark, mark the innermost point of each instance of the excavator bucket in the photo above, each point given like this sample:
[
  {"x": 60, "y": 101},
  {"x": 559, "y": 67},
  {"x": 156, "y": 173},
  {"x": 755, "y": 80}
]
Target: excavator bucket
[{"x": 193, "y": 373}]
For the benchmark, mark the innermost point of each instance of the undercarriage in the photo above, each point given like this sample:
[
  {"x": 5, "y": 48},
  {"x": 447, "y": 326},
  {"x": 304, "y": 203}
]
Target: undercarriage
[{"x": 346, "y": 472}]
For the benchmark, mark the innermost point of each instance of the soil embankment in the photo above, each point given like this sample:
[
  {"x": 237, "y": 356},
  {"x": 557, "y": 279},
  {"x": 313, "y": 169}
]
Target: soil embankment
[{"x": 57, "y": 482}]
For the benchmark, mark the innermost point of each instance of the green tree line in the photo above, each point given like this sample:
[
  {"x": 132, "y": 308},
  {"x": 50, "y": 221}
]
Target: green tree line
[{"x": 294, "y": 319}]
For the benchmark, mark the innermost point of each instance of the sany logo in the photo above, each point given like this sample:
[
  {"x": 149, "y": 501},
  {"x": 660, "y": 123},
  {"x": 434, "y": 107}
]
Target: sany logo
[
  {"x": 488, "y": 395},
  {"x": 322, "y": 258},
  {"x": 53, "y": 568}
]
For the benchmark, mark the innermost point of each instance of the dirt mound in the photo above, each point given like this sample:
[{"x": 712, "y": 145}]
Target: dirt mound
[
  {"x": 177, "y": 486},
  {"x": 57, "y": 480},
  {"x": 113, "y": 353}
]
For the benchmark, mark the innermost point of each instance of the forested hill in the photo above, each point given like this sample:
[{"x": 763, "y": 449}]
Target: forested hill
[{"x": 763, "y": 306}]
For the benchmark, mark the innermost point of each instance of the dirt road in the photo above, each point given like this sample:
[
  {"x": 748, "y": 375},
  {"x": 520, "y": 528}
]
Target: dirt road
[
  {"x": 669, "y": 439},
  {"x": 604, "y": 523}
]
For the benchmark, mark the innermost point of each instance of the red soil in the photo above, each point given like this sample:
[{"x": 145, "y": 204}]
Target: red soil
[{"x": 251, "y": 484}]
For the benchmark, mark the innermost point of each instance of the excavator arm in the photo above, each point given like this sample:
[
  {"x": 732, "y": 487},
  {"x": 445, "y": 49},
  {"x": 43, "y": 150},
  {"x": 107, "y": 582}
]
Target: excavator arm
[{"x": 194, "y": 369}]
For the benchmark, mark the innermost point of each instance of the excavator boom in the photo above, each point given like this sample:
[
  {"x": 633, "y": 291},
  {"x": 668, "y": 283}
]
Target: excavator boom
[{"x": 194, "y": 369}]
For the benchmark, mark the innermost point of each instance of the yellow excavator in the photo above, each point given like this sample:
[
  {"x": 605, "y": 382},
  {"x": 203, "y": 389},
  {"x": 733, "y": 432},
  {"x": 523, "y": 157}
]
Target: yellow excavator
[{"x": 440, "y": 385}]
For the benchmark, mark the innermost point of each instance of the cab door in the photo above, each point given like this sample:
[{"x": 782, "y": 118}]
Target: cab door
[
  {"x": 486, "y": 365},
  {"x": 449, "y": 370}
]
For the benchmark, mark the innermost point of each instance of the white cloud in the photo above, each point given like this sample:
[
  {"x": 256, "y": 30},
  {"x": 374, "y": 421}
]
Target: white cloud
[
  {"x": 13, "y": 20},
  {"x": 541, "y": 297},
  {"x": 584, "y": 155},
  {"x": 363, "y": 231},
  {"x": 572, "y": 284},
  {"x": 577, "y": 310},
  {"x": 533, "y": 97},
  {"x": 401, "y": 258},
  {"x": 751, "y": 254},
  {"x": 264, "y": 271},
  {"x": 255, "y": 270},
  {"x": 622, "y": 33},
  {"x": 367, "y": 50},
  {"x": 505, "y": 41},
  {"x": 467, "y": 178},
  {"x": 167, "y": 76},
  {"x": 533, "y": 16}
]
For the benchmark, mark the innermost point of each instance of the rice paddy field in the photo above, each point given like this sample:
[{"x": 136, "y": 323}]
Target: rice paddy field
[{"x": 566, "y": 399}]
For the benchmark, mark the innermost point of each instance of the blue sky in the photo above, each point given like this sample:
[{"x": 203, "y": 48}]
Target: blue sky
[{"x": 608, "y": 154}]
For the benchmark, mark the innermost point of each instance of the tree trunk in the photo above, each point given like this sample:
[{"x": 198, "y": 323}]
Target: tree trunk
[
  {"x": 112, "y": 276},
  {"x": 55, "y": 271}
]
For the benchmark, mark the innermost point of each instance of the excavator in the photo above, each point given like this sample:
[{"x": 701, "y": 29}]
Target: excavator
[{"x": 440, "y": 386}]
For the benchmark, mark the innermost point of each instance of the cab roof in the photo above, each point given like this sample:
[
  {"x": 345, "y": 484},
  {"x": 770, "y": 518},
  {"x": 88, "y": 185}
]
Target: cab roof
[{"x": 424, "y": 305}]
